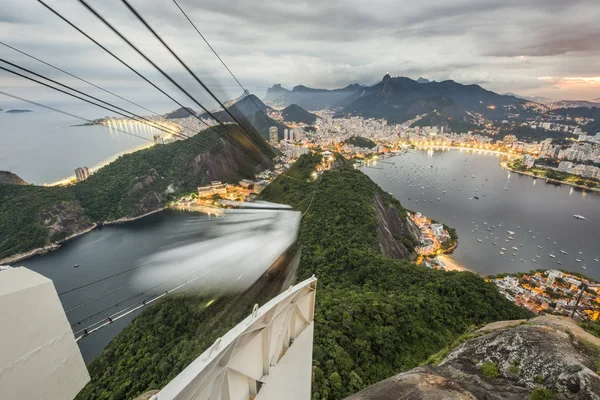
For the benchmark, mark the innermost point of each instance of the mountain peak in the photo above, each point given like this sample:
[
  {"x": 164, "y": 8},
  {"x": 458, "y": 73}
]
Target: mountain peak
[{"x": 423, "y": 80}]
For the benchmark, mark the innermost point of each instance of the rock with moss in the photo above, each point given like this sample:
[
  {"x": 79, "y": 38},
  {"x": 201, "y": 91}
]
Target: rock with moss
[{"x": 547, "y": 358}]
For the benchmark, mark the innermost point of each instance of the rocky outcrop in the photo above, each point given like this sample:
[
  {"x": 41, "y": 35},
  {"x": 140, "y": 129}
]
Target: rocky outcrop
[
  {"x": 397, "y": 234},
  {"x": 65, "y": 219},
  {"x": 519, "y": 360},
  {"x": 11, "y": 179}
]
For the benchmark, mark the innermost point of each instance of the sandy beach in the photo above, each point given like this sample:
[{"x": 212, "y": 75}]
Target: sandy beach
[{"x": 450, "y": 264}]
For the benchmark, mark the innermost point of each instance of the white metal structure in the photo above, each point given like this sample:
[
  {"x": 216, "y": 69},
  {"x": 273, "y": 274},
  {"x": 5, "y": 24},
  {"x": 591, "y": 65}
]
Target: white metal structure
[
  {"x": 39, "y": 358},
  {"x": 267, "y": 356}
]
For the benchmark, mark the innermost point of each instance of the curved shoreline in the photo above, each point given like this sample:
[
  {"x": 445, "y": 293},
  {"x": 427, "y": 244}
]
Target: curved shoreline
[
  {"x": 54, "y": 246},
  {"x": 506, "y": 167}
]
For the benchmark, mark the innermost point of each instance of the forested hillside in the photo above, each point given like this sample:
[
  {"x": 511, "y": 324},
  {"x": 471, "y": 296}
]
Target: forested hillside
[
  {"x": 132, "y": 185},
  {"x": 375, "y": 316}
]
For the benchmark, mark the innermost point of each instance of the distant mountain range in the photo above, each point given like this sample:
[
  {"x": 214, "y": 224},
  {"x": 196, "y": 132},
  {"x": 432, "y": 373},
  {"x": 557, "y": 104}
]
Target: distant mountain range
[
  {"x": 309, "y": 98},
  {"x": 400, "y": 99},
  {"x": 537, "y": 99},
  {"x": 180, "y": 113},
  {"x": 573, "y": 104},
  {"x": 295, "y": 113}
]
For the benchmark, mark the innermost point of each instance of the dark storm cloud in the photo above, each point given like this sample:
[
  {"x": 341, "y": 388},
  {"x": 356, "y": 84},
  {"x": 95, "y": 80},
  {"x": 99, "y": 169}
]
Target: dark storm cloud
[{"x": 504, "y": 45}]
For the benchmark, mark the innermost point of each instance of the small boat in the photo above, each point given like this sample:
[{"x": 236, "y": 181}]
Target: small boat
[
  {"x": 584, "y": 267},
  {"x": 515, "y": 248},
  {"x": 579, "y": 216},
  {"x": 502, "y": 252},
  {"x": 521, "y": 244},
  {"x": 597, "y": 260},
  {"x": 518, "y": 227},
  {"x": 476, "y": 198},
  {"x": 562, "y": 251},
  {"x": 552, "y": 255},
  {"x": 480, "y": 241},
  {"x": 536, "y": 256},
  {"x": 579, "y": 252},
  {"x": 540, "y": 247},
  {"x": 510, "y": 233},
  {"x": 503, "y": 249},
  {"x": 533, "y": 260},
  {"x": 559, "y": 263},
  {"x": 76, "y": 266},
  {"x": 578, "y": 260},
  {"x": 510, "y": 238},
  {"x": 494, "y": 243}
]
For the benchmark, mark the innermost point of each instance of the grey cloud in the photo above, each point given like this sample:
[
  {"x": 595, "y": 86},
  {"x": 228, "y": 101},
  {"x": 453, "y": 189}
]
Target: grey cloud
[{"x": 318, "y": 43}]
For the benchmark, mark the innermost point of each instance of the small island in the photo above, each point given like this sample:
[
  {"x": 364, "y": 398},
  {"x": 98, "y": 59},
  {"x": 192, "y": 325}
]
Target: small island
[{"x": 17, "y": 111}]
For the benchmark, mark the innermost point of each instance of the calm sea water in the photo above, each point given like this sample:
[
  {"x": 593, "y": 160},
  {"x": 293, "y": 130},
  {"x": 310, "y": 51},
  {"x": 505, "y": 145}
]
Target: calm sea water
[
  {"x": 43, "y": 146},
  {"x": 538, "y": 213},
  {"x": 105, "y": 252}
]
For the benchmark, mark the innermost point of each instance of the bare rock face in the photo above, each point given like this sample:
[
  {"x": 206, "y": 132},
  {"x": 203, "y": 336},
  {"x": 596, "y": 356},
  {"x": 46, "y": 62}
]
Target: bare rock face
[
  {"x": 11, "y": 179},
  {"x": 65, "y": 219},
  {"x": 391, "y": 229},
  {"x": 550, "y": 354}
]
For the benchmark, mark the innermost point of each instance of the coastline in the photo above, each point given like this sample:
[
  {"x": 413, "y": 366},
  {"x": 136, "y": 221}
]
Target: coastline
[
  {"x": 451, "y": 265},
  {"x": 506, "y": 167},
  {"x": 54, "y": 246},
  {"x": 69, "y": 180}
]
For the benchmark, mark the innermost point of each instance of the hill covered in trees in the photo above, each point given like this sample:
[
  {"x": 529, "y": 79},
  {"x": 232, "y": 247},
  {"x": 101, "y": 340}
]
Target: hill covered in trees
[
  {"x": 295, "y": 113},
  {"x": 133, "y": 185},
  {"x": 437, "y": 118},
  {"x": 375, "y": 316},
  {"x": 360, "y": 141}
]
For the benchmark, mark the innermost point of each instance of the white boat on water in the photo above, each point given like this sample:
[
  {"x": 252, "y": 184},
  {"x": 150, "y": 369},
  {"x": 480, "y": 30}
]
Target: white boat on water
[
  {"x": 562, "y": 251},
  {"x": 579, "y": 216},
  {"x": 515, "y": 248},
  {"x": 503, "y": 249},
  {"x": 510, "y": 233},
  {"x": 559, "y": 263},
  {"x": 578, "y": 260},
  {"x": 597, "y": 260},
  {"x": 552, "y": 255},
  {"x": 480, "y": 241}
]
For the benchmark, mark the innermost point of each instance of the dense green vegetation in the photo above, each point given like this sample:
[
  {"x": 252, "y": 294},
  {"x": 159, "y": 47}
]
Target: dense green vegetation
[
  {"x": 451, "y": 243},
  {"x": 541, "y": 393},
  {"x": 374, "y": 316},
  {"x": 449, "y": 123},
  {"x": 592, "y": 327},
  {"x": 526, "y": 133},
  {"x": 20, "y": 207},
  {"x": 132, "y": 185},
  {"x": 361, "y": 142},
  {"x": 295, "y": 113},
  {"x": 490, "y": 370}
]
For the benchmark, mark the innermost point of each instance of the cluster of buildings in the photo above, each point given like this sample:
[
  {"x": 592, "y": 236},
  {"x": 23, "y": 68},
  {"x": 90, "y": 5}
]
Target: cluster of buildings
[
  {"x": 245, "y": 190},
  {"x": 553, "y": 291},
  {"x": 585, "y": 171},
  {"x": 432, "y": 235}
]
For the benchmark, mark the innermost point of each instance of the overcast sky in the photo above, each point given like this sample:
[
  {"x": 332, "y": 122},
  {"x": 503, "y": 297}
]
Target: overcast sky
[{"x": 547, "y": 48}]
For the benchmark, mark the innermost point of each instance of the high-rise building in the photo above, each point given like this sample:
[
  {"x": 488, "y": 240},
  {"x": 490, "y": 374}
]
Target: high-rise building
[
  {"x": 286, "y": 135},
  {"x": 273, "y": 135},
  {"x": 82, "y": 173}
]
